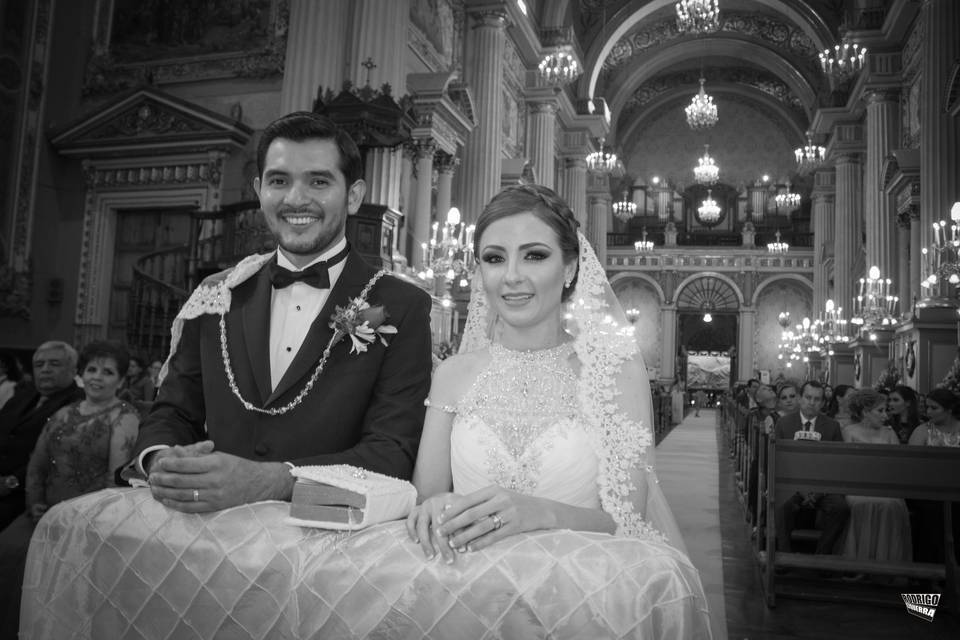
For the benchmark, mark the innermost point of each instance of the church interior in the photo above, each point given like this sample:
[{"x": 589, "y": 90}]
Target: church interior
[{"x": 773, "y": 188}]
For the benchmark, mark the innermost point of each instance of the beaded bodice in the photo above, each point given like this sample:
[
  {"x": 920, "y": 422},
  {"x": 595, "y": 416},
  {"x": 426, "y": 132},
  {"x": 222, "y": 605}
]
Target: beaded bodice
[
  {"x": 938, "y": 438},
  {"x": 517, "y": 413}
]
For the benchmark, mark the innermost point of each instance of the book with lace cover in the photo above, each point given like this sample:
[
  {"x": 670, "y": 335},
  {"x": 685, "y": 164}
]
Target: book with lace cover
[{"x": 342, "y": 496}]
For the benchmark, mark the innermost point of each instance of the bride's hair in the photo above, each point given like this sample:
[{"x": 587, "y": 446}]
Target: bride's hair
[{"x": 547, "y": 206}]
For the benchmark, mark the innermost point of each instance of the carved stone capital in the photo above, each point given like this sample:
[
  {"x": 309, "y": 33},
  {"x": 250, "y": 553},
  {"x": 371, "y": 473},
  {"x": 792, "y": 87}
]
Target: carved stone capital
[
  {"x": 543, "y": 107},
  {"x": 879, "y": 96},
  {"x": 445, "y": 163},
  {"x": 424, "y": 148},
  {"x": 904, "y": 217},
  {"x": 574, "y": 162},
  {"x": 489, "y": 17}
]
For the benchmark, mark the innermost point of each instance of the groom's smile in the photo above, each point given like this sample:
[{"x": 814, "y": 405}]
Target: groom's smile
[{"x": 305, "y": 198}]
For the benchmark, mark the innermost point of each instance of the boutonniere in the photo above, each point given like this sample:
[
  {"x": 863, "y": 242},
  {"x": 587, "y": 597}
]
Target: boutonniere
[{"x": 362, "y": 323}]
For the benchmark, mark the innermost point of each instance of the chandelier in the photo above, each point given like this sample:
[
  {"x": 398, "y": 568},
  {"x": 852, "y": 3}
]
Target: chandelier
[
  {"x": 644, "y": 245},
  {"x": 944, "y": 260},
  {"x": 787, "y": 200},
  {"x": 833, "y": 326},
  {"x": 810, "y": 155},
  {"x": 709, "y": 211},
  {"x": 698, "y": 16},
  {"x": 559, "y": 67},
  {"x": 450, "y": 251},
  {"x": 875, "y": 307},
  {"x": 706, "y": 172},
  {"x": 778, "y": 246},
  {"x": 843, "y": 60},
  {"x": 603, "y": 160},
  {"x": 701, "y": 112},
  {"x": 626, "y": 208}
]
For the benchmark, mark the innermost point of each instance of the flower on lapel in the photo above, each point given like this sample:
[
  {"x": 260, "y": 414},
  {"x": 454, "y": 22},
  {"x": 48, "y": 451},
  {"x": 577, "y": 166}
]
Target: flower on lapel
[{"x": 362, "y": 323}]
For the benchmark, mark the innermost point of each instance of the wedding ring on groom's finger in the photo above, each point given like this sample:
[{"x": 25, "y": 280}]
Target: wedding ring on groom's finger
[
  {"x": 497, "y": 521},
  {"x": 196, "y": 495}
]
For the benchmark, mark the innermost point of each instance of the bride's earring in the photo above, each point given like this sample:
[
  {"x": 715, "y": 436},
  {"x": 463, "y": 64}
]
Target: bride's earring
[{"x": 567, "y": 283}]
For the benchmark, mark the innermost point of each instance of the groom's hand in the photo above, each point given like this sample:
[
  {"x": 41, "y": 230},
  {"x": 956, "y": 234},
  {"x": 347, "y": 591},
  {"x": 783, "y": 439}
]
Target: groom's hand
[{"x": 200, "y": 480}]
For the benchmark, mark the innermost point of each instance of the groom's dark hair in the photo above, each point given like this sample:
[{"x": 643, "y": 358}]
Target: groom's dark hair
[
  {"x": 306, "y": 125},
  {"x": 548, "y": 207}
]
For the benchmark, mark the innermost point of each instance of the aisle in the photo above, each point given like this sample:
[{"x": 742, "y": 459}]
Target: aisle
[{"x": 688, "y": 470}]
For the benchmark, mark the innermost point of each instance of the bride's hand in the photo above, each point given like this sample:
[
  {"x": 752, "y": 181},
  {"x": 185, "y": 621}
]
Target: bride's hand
[
  {"x": 483, "y": 517},
  {"x": 422, "y": 526}
]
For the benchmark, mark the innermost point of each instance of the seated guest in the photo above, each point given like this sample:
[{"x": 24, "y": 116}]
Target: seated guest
[
  {"x": 825, "y": 511},
  {"x": 879, "y": 528},
  {"x": 76, "y": 453},
  {"x": 762, "y": 418},
  {"x": 9, "y": 376},
  {"x": 942, "y": 430},
  {"x": 155, "y": 367},
  {"x": 840, "y": 408},
  {"x": 903, "y": 411},
  {"x": 137, "y": 386},
  {"x": 23, "y": 416},
  {"x": 786, "y": 398}
]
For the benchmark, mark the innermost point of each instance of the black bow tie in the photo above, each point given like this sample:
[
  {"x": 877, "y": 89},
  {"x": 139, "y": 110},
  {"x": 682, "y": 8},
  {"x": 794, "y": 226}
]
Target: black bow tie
[{"x": 316, "y": 275}]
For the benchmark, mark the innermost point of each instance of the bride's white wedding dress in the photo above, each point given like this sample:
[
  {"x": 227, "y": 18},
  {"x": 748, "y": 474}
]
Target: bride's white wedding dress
[{"x": 118, "y": 564}]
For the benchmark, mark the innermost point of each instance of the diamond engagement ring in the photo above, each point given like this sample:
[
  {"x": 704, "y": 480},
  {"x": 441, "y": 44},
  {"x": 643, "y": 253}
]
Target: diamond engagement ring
[
  {"x": 497, "y": 521},
  {"x": 196, "y": 495}
]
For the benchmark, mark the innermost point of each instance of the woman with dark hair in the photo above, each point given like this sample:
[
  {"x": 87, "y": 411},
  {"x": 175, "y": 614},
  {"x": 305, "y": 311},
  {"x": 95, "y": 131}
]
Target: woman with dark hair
[
  {"x": 903, "y": 411},
  {"x": 839, "y": 408},
  {"x": 941, "y": 430},
  {"x": 879, "y": 528},
  {"x": 76, "y": 453},
  {"x": 9, "y": 376}
]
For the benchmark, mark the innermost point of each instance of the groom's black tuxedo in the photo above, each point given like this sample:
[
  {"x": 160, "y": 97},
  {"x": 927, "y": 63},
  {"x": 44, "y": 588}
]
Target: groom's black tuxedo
[{"x": 366, "y": 409}]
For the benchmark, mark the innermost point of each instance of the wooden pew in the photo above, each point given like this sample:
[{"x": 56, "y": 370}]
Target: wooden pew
[{"x": 923, "y": 473}]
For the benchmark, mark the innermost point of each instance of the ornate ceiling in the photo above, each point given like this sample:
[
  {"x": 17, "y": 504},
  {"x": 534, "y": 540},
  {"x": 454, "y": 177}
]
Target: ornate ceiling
[{"x": 763, "y": 58}]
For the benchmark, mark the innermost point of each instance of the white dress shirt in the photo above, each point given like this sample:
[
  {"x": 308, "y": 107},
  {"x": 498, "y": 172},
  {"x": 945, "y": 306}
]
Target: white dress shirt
[{"x": 293, "y": 309}]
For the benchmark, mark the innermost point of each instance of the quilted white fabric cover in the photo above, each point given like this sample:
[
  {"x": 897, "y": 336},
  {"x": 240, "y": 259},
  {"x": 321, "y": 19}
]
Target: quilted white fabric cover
[{"x": 117, "y": 564}]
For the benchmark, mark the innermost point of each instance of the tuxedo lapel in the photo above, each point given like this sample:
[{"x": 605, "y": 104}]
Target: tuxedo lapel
[
  {"x": 248, "y": 331},
  {"x": 356, "y": 274}
]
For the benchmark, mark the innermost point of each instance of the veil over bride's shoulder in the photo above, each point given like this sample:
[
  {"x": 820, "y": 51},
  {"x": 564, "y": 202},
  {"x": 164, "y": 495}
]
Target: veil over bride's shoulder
[{"x": 614, "y": 394}]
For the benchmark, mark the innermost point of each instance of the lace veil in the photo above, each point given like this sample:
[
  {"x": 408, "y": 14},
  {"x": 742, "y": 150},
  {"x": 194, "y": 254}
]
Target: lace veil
[{"x": 614, "y": 396}]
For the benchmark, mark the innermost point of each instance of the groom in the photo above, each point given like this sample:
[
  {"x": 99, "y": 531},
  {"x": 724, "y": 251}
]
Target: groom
[{"x": 258, "y": 380}]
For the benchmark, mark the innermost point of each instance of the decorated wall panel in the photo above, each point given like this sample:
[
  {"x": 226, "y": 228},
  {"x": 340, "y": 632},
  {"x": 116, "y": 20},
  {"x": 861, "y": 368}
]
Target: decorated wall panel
[
  {"x": 636, "y": 293},
  {"x": 778, "y": 296}
]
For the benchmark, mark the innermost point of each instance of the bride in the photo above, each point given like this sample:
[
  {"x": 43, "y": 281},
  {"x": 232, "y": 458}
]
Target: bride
[{"x": 540, "y": 515}]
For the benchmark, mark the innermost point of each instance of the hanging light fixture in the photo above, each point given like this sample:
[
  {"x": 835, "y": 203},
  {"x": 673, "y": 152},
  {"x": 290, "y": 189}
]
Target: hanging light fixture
[
  {"x": 558, "y": 68},
  {"x": 706, "y": 172},
  {"x": 843, "y": 60},
  {"x": 603, "y": 160},
  {"x": 644, "y": 245},
  {"x": 786, "y": 200},
  {"x": 701, "y": 112},
  {"x": 698, "y": 16},
  {"x": 626, "y": 208},
  {"x": 809, "y": 156},
  {"x": 709, "y": 211},
  {"x": 778, "y": 246}
]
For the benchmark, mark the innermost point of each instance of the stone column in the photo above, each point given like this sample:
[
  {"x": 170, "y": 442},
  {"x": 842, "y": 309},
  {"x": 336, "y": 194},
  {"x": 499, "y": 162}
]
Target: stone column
[
  {"x": 424, "y": 151},
  {"x": 382, "y": 174},
  {"x": 483, "y": 72},
  {"x": 745, "y": 347},
  {"x": 446, "y": 165},
  {"x": 916, "y": 259},
  {"x": 847, "y": 228},
  {"x": 882, "y": 124},
  {"x": 378, "y": 34},
  {"x": 541, "y": 135},
  {"x": 597, "y": 221},
  {"x": 823, "y": 228},
  {"x": 575, "y": 188},
  {"x": 904, "y": 283},
  {"x": 940, "y": 133},
  {"x": 317, "y": 40},
  {"x": 668, "y": 345}
]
